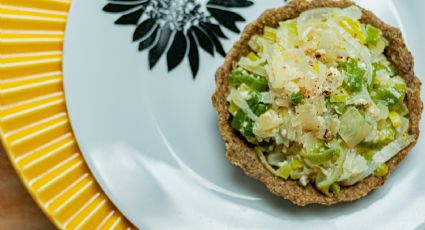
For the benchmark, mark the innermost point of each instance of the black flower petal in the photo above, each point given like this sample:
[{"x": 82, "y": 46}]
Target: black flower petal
[
  {"x": 130, "y": 18},
  {"x": 226, "y": 18},
  {"x": 177, "y": 50},
  {"x": 193, "y": 55},
  {"x": 144, "y": 28},
  {"x": 156, "y": 52},
  {"x": 118, "y": 8},
  {"x": 203, "y": 40},
  {"x": 214, "y": 28},
  {"x": 148, "y": 41},
  {"x": 214, "y": 39},
  {"x": 231, "y": 3}
]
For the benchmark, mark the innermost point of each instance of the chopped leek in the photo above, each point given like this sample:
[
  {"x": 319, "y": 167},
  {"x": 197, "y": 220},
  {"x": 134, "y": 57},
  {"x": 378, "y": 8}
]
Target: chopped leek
[
  {"x": 340, "y": 96},
  {"x": 391, "y": 149},
  {"x": 395, "y": 119},
  {"x": 387, "y": 95},
  {"x": 322, "y": 156},
  {"x": 353, "y": 27},
  {"x": 285, "y": 170},
  {"x": 269, "y": 33},
  {"x": 287, "y": 35},
  {"x": 253, "y": 66}
]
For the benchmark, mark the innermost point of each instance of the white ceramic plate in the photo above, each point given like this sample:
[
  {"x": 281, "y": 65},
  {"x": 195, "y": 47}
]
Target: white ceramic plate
[{"x": 151, "y": 139}]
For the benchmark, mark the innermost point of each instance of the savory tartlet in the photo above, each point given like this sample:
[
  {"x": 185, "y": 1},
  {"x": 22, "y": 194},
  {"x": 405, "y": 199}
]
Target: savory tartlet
[{"x": 319, "y": 101}]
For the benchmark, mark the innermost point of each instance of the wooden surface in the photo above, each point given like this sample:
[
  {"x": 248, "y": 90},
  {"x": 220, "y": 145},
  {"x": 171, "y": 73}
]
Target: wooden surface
[{"x": 17, "y": 209}]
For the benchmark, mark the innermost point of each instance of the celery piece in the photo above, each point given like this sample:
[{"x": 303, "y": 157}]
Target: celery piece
[{"x": 372, "y": 35}]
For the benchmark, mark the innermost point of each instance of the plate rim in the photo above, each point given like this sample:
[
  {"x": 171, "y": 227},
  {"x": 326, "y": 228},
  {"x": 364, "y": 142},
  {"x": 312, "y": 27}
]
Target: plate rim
[{"x": 80, "y": 202}]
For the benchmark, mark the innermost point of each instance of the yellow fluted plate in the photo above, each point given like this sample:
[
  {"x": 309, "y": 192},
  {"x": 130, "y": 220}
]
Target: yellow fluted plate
[{"x": 34, "y": 123}]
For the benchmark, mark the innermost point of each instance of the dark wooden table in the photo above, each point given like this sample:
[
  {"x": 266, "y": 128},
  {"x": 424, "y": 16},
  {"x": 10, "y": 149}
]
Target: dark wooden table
[{"x": 17, "y": 209}]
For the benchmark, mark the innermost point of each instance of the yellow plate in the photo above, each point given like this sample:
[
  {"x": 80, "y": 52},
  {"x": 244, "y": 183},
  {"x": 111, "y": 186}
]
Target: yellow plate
[{"x": 34, "y": 124}]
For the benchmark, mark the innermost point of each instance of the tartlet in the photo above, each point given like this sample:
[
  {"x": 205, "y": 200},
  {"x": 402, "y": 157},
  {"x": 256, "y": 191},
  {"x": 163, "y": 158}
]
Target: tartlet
[{"x": 244, "y": 154}]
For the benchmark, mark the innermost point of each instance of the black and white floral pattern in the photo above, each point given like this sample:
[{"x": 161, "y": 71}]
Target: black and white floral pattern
[{"x": 186, "y": 24}]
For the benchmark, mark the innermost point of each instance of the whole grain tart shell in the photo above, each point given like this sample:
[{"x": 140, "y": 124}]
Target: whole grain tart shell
[{"x": 242, "y": 154}]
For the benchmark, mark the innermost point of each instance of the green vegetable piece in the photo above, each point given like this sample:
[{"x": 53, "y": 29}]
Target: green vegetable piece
[
  {"x": 297, "y": 164},
  {"x": 323, "y": 182},
  {"x": 379, "y": 66},
  {"x": 381, "y": 170},
  {"x": 338, "y": 98},
  {"x": 338, "y": 107},
  {"x": 387, "y": 95},
  {"x": 256, "y": 105},
  {"x": 243, "y": 123},
  {"x": 248, "y": 128},
  {"x": 373, "y": 35},
  {"x": 260, "y": 109},
  {"x": 395, "y": 119},
  {"x": 255, "y": 82},
  {"x": 335, "y": 189},
  {"x": 238, "y": 119},
  {"x": 297, "y": 98},
  {"x": 321, "y": 157},
  {"x": 401, "y": 109},
  {"x": 233, "y": 108},
  {"x": 285, "y": 170},
  {"x": 386, "y": 135},
  {"x": 355, "y": 74}
]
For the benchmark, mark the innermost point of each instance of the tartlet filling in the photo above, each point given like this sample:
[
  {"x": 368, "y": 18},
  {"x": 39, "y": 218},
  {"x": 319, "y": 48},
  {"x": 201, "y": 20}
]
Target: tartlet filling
[{"x": 320, "y": 101}]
